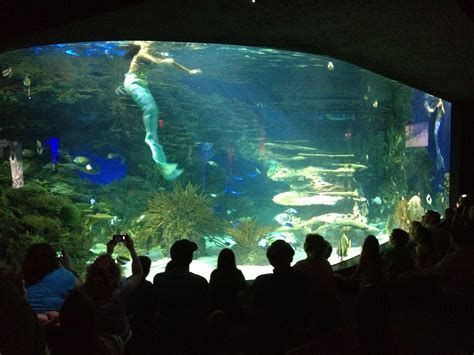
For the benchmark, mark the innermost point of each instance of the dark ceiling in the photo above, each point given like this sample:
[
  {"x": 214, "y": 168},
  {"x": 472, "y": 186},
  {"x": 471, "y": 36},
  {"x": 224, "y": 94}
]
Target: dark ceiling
[{"x": 425, "y": 44}]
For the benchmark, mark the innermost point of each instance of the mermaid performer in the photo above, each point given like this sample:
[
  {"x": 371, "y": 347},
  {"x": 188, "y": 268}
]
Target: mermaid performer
[
  {"x": 438, "y": 109},
  {"x": 136, "y": 86}
]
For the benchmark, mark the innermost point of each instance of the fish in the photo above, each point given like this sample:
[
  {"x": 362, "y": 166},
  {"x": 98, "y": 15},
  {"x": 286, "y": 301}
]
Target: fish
[
  {"x": 113, "y": 155},
  {"x": 141, "y": 218},
  {"x": 291, "y": 211},
  {"x": 288, "y": 224},
  {"x": 230, "y": 211},
  {"x": 429, "y": 200},
  {"x": 375, "y": 104},
  {"x": 337, "y": 117},
  {"x": 114, "y": 220},
  {"x": 81, "y": 160},
  {"x": 252, "y": 174},
  {"x": 237, "y": 178},
  {"x": 88, "y": 167},
  {"x": 27, "y": 81},
  {"x": 7, "y": 73},
  {"x": 343, "y": 246},
  {"x": 212, "y": 163},
  {"x": 71, "y": 52},
  {"x": 28, "y": 153},
  {"x": 376, "y": 200},
  {"x": 257, "y": 170},
  {"x": 330, "y": 66},
  {"x": 232, "y": 191},
  {"x": 92, "y": 202},
  {"x": 213, "y": 195},
  {"x": 39, "y": 147}
]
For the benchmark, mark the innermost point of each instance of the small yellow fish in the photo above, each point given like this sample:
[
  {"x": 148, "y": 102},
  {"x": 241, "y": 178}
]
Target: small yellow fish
[
  {"x": 375, "y": 104},
  {"x": 212, "y": 163},
  {"x": 330, "y": 66}
]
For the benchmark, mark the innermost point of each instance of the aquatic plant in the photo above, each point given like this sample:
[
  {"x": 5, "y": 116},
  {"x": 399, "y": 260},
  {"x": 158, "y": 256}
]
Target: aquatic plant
[
  {"x": 31, "y": 215},
  {"x": 70, "y": 215},
  {"x": 247, "y": 235},
  {"x": 184, "y": 212}
]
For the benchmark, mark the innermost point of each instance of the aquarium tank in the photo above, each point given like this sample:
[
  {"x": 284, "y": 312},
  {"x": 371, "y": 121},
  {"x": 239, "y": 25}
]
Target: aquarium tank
[{"x": 228, "y": 146}]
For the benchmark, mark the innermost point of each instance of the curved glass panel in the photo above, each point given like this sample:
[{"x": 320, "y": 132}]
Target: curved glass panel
[{"x": 228, "y": 146}]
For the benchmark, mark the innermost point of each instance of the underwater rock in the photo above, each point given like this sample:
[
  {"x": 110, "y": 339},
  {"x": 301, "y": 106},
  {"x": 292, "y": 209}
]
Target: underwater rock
[
  {"x": 295, "y": 198},
  {"x": 339, "y": 219}
]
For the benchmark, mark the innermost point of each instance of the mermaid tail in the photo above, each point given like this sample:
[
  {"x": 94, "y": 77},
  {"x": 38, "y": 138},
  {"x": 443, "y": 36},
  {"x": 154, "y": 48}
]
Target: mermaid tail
[
  {"x": 170, "y": 171},
  {"x": 138, "y": 90}
]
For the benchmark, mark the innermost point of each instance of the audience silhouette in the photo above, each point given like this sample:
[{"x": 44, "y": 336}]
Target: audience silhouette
[{"x": 423, "y": 277}]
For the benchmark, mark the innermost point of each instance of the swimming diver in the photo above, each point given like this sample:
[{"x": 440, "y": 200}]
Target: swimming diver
[
  {"x": 136, "y": 85},
  {"x": 438, "y": 108}
]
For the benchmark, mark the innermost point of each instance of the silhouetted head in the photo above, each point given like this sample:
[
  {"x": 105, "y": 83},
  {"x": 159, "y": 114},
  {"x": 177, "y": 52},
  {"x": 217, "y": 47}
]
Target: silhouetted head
[
  {"x": 431, "y": 218},
  {"x": 77, "y": 316},
  {"x": 280, "y": 254},
  {"x": 315, "y": 245},
  {"x": 413, "y": 226},
  {"x": 40, "y": 259},
  {"x": 103, "y": 278},
  {"x": 328, "y": 251},
  {"x": 226, "y": 260},
  {"x": 399, "y": 238},
  {"x": 146, "y": 264},
  {"x": 371, "y": 248},
  {"x": 423, "y": 236},
  {"x": 449, "y": 212},
  {"x": 182, "y": 252}
]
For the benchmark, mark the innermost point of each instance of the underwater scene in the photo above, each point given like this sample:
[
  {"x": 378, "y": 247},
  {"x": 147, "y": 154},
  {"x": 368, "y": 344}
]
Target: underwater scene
[{"x": 228, "y": 146}]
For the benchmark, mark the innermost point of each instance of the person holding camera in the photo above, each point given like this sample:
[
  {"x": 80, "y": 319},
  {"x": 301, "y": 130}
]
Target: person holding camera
[
  {"x": 109, "y": 294},
  {"x": 49, "y": 278}
]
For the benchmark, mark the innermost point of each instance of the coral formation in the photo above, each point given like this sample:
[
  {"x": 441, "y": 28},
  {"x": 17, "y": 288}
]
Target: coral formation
[{"x": 184, "y": 212}]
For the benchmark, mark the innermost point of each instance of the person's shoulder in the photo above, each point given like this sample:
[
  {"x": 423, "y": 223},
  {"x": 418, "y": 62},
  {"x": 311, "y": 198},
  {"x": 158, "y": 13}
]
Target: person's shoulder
[
  {"x": 160, "y": 277},
  {"x": 197, "y": 278},
  {"x": 264, "y": 278}
]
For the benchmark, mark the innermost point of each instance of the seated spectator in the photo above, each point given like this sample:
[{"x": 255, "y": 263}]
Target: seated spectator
[
  {"x": 453, "y": 277},
  {"x": 281, "y": 299},
  {"x": 79, "y": 328},
  {"x": 108, "y": 294},
  {"x": 426, "y": 255},
  {"x": 411, "y": 245},
  {"x": 448, "y": 219},
  {"x": 397, "y": 259},
  {"x": 369, "y": 272},
  {"x": 141, "y": 308},
  {"x": 372, "y": 303},
  {"x": 182, "y": 300},
  {"x": 317, "y": 266},
  {"x": 225, "y": 284},
  {"x": 441, "y": 242},
  {"x": 47, "y": 283},
  {"x": 323, "y": 291},
  {"x": 20, "y": 331}
]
